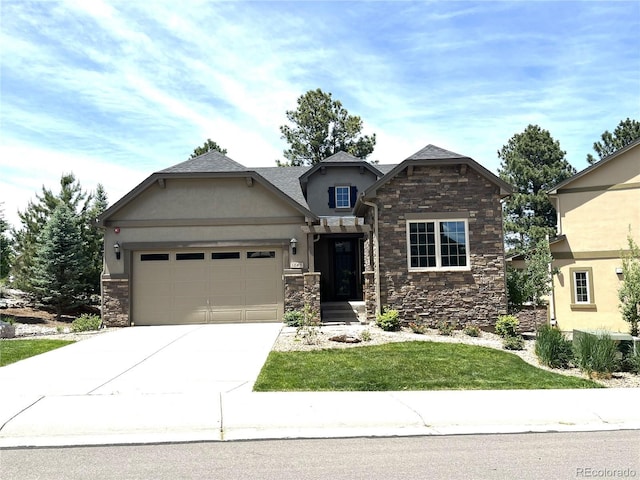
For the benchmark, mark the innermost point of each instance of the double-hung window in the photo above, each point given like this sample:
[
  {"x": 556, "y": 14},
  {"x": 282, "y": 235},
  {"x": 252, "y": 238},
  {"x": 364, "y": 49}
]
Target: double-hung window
[
  {"x": 438, "y": 245},
  {"x": 582, "y": 288}
]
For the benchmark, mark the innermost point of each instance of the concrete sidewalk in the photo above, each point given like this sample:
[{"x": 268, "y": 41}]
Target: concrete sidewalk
[
  {"x": 210, "y": 416},
  {"x": 129, "y": 387}
]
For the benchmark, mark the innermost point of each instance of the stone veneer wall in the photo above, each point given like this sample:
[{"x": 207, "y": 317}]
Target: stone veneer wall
[
  {"x": 302, "y": 289},
  {"x": 115, "y": 302},
  {"x": 531, "y": 318},
  {"x": 478, "y": 295}
]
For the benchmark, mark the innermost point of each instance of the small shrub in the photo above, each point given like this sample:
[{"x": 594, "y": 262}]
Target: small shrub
[
  {"x": 420, "y": 328},
  {"x": 9, "y": 320},
  {"x": 388, "y": 320},
  {"x": 552, "y": 348},
  {"x": 633, "y": 362},
  {"x": 309, "y": 327},
  {"x": 293, "y": 318},
  {"x": 472, "y": 330},
  {"x": 86, "y": 323},
  {"x": 507, "y": 326},
  {"x": 596, "y": 355},
  {"x": 365, "y": 336},
  {"x": 445, "y": 327},
  {"x": 515, "y": 342}
]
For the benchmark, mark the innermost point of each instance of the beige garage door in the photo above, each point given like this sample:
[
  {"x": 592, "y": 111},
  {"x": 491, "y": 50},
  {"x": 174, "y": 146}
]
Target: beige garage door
[{"x": 207, "y": 286}]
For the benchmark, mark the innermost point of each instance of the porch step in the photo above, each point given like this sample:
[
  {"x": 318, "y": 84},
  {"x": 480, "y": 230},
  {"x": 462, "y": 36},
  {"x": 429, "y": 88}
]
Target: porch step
[{"x": 342, "y": 313}]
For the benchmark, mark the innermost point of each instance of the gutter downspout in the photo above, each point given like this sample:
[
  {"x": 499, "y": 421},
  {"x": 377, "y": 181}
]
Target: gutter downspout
[{"x": 376, "y": 252}]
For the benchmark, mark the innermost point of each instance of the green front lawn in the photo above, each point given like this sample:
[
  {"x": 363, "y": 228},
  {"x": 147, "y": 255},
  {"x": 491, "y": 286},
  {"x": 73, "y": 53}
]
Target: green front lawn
[
  {"x": 12, "y": 351},
  {"x": 407, "y": 366}
]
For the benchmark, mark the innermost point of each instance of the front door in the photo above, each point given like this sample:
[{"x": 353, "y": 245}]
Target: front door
[{"x": 344, "y": 269}]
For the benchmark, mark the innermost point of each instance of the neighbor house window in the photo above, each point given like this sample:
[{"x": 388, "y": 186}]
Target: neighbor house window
[
  {"x": 582, "y": 287},
  {"x": 438, "y": 245},
  {"x": 343, "y": 195}
]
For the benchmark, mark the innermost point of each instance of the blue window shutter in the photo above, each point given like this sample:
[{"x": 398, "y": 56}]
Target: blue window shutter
[
  {"x": 354, "y": 195},
  {"x": 332, "y": 197}
]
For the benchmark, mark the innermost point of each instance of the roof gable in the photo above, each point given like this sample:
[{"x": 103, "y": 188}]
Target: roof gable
[
  {"x": 282, "y": 181},
  {"x": 433, "y": 155},
  {"x": 596, "y": 166},
  {"x": 432, "y": 152},
  {"x": 211, "y": 161},
  {"x": 338, "y": 160}
]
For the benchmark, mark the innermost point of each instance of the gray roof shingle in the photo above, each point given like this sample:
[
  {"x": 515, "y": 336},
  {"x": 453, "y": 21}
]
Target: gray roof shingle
[
  {"x": 431, "y": 152},
  {"x": 210, "y": 162},
  {"x": 287, "y": 179}
]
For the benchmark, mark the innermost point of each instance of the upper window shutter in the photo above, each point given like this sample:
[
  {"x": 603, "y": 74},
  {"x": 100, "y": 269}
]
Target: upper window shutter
[
  {"x": 354, "y": 195},
  {"x": 332, "y": 197}
]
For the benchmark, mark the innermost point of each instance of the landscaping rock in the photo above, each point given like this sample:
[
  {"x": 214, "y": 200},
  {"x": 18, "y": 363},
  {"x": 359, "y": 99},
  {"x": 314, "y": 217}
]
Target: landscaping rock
[
  {"x": 345, "y": 339},
  {"x": 7, "y": 330}
]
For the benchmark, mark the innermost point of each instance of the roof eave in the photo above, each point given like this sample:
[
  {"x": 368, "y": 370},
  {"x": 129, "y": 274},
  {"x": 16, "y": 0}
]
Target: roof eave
[{"x": 160, "y": 176}]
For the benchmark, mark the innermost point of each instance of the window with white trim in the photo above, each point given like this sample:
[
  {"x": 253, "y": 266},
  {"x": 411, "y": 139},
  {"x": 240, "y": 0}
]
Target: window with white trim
[
  {"x": 438, "y": 245},
  {"x": 343, "y": 197}
]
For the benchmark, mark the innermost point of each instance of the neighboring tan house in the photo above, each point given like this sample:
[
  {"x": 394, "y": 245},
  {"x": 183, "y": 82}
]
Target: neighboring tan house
[
  {"x": 597, "y": 209},
  {"x": 209, "y": 240}
]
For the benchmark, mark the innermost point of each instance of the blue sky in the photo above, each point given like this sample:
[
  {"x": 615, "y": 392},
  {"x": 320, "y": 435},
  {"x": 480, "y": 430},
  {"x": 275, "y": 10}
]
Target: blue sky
[{"x": 115, "y": 90}]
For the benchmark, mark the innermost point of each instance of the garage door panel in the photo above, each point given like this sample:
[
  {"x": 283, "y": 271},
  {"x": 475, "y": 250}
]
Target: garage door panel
[
  {"x": 228, "y": 300},
  {"x": 264, "y": 314},
  {"x": 189, "y": 286},
  {"x": 222, "y": 316}
]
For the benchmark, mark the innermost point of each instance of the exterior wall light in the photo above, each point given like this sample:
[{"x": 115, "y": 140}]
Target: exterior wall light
[
  {"x": 116, "y": 248},
  {"x": 294, "y": 244}
]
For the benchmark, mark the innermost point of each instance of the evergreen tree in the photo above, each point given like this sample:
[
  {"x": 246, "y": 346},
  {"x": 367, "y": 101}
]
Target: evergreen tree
[
  {"x": 208, "y": 145},
  {"x": 93, "y": 240},
  {"x": 626, "y": 132},
  {"x": 532, "y": 162},
  {"x": 5, "y": 246},
  {"x": 59, "y": 262},
  {"x": 35, "y": 217},
  {"x": 322, "y": 127}
]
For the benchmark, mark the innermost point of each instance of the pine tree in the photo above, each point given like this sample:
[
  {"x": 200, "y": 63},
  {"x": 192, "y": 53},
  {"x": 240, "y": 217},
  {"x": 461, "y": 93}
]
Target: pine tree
[
  {"x": 532, "y": 162},
  {"x": 35, "y": 217},
  {"x": 59, "y": 263},
  {"x": 320, "y": 128},
  {"x": 206, "y": 147},
  {"x": 626, "y": 132},
  {"x": 93, "y": 240},
  {"x": 5, "y": 246}
]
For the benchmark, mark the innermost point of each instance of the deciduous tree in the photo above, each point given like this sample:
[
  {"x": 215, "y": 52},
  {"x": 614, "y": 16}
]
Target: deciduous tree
[
  {"x": 629, "y": 292},
  {"x": 321, "y": 127}
]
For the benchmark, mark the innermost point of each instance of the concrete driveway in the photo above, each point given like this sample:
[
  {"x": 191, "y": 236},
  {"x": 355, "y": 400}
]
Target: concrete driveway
[
  {"x": 148, "y": 360},
  {"x": 133, "y": 379}
]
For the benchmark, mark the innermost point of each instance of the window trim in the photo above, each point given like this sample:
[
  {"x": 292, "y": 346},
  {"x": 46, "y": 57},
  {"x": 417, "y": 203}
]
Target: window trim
[
  {"x": 590, "y": 303},
  {"x": 437, "y": 221},
  {"x": 348, "y": 188}
]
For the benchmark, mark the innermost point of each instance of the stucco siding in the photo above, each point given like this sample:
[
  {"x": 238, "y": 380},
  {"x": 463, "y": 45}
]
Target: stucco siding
[
  {"x": 204, "y": 198},
  {"x": 331, "y": 176}
]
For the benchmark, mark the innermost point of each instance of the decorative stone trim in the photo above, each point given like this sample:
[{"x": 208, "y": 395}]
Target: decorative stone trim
[
  {"x": 312, "y": 291},
  {"x": 115, "y": 302},
  {"x": 302, "y": 289},
  {"x": 369, "y": 293}
]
